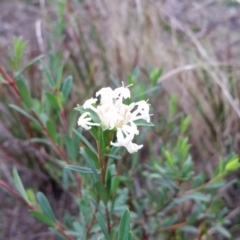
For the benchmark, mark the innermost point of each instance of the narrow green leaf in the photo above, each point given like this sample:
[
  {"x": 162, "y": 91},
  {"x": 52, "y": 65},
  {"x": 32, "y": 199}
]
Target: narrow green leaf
[
  {"x": 66, "y": 177},
  {"x": 40, "y": 140},
  {"x": 115, "y": 184},
  {"x": 172, "y": 104},
  {"x": 194, "y": 196},
  {"x": 141, "y": 122},
  {"x": 223, "y": 231},
  {"x": 124, "y": 226},
  {"x": 47, "y": 210},
  {"x": 36, "y": 59},
  {"x": 101, "y": 191},
  {"x": 57, "y": 233},
  {"x": 72, "y": 147},
  {"x": 67, "y": 86},
  {"x": 58, "y": 75},
  {"x": 19, "y": 186},
  {"x": 185, "y": 123},
  {"x": 79, "y": 169},
  {"x": 130, "y": 236},
  {"x": 47, "y": 74},
  {"x": 233, "y": 164},
  {"x": 90, "y": 164},
  {"x": 86, "y": 142},
  {"x": 23, "y": 112},
  {"x": 116, "y": 157},
  {"x": 71, "y": 122},
  {"x": 52, "y": 99},
  {"x": 103, "y": 225},
  {"x": 151, "y": 90},
  {"x": 52, "y": 130},
  {"x": 42, "y": 218},
  {"x": 189, "y": 229},
  {"x": 155, "y": 75},
  {"x": 24, "y": 92}
]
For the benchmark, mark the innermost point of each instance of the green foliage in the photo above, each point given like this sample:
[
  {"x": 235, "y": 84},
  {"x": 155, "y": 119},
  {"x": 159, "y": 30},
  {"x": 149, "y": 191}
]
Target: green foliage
[
  {"x": 124, "y": 227},
  {"x": 19, "y": 186},
  {"x": 46, "y": 208},
  {"x": 166, "y": 197}
]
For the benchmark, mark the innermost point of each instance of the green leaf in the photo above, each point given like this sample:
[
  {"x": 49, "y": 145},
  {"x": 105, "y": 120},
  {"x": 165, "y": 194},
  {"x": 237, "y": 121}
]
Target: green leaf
[
  {"x": 89, "y": 145},
  {"x": 19, "y": 186},
  {"x": 185, "y": 123},
  {"x": 101, "y": 191},
  {"x": 52, "y": 130},
  {"x": 103, "y": 225},
  {"x": 58, "y": 234},
  {"x": 194, "y": 196},
  {"x": 189, "y": 229},
  {"x": 79, "y": 169},
  {"x": 58, "y": 75},
  {"x": 66, "y": 175},
  {"x": 23, "y": 112},
  {"x": 40, "y": 140},
  {"x": 136, "y": 72},
  {"x": 222, "y": 230},
  {"x": 115, "y": 184},
  {"x": 47, "y": 210},
  {"x": 36, "y": 59},
  {"x": 71, "y": 122},
  {"x": 233, "y": 164},
  {"x": 42, "y": 218},
  {"x": 155, "y": 75},
  {"x": 141, "y": 122},
  {"x": 16, "y": 52},
  {"x": 67, "y": 86},
  {"x": 24, "y": 92},
  {"x": 90, "y": 163},
  {"x": 116, "y": 157},
  {"x": 172, "y": 104},
  {"x": 72, "y": 146},
  {"x": 47, "y": 74},
  {"x": 130, "y": 236},
  {"x": 52, "y": 99},
  {"x": 124, "y": 227},
  {"x": 151, "y": 90}
]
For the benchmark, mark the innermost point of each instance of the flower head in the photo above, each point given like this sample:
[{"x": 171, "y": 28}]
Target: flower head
[{"x": 115, "y": 115}]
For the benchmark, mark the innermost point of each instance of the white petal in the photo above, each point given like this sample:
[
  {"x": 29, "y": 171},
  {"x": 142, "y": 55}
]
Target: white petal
[
  {"x": 89, "y": 104},
  {"x": 133, "y": 147},
  {"x": 142, "y": 111},
  {"x": 106, "y": 95},
  {"x": 122, "y": 92},
  {"x": 85, "y": 122}
]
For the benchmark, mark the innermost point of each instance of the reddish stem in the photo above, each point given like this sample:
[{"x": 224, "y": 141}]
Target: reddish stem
[
  {"x": 16, "y": 194},
  {"x": 10, "y": 81}
]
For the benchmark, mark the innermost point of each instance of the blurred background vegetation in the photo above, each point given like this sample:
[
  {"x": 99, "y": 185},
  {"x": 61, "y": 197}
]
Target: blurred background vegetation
[{"x": 183, "y": 56}]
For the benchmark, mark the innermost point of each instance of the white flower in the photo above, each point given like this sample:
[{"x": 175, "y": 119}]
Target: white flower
[
  {"x": 85, "y": 121},
  {"x": 115, "y": 114}
]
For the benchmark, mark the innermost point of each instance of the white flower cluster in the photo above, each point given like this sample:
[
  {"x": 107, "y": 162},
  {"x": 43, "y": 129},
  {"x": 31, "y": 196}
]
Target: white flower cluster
[{"x": 114, "y": 114}]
